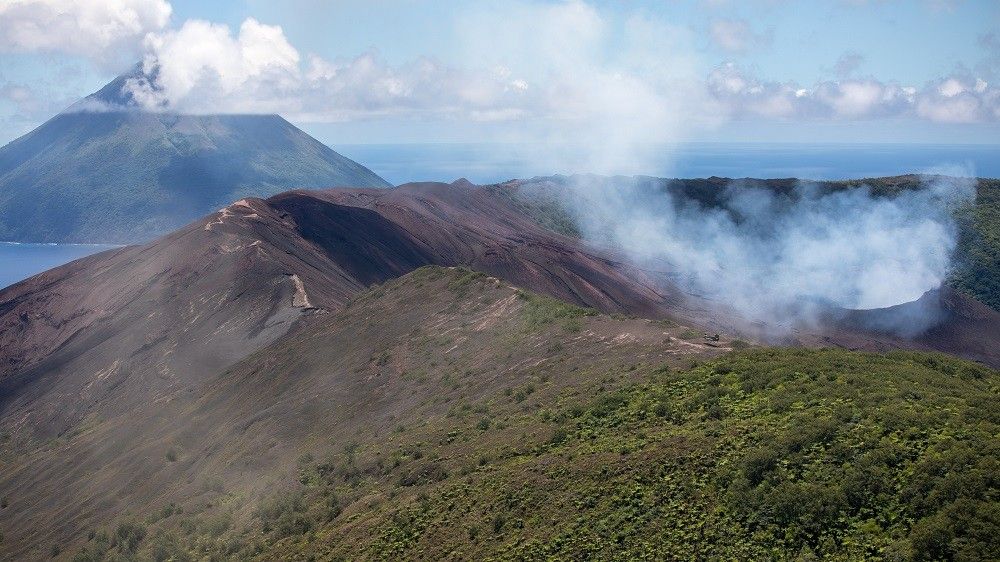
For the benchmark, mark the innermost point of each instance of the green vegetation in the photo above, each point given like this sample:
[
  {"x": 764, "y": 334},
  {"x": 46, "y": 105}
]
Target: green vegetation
[
  {"x": 978, "y": 269},
  {"x": 462, "y": 284},
  {"x": 543, "y": 207},
  {"x": 541, "y": 312},
  {"x": 689, "y": 334},
  {"x": 122, "y": 544},
  {"x": 761, "y": 454},
  {"x": 764, "y": 454}
]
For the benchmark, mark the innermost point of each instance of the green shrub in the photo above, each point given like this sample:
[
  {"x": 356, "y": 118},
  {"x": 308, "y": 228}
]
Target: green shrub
[
  {"x": 284, "y": 515},
  {"x": 127, "y": 536}
]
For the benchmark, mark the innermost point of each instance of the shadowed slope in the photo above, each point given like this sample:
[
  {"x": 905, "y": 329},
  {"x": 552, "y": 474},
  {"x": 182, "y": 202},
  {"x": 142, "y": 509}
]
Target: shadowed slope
[{"x": 461, "y": 224}]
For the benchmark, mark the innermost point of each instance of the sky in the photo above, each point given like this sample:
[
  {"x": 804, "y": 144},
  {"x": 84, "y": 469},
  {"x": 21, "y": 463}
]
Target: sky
[{"x": 623, "y": 73}]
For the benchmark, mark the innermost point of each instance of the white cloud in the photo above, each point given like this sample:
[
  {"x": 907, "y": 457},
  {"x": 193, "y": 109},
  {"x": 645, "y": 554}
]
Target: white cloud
[
  {"x": 207, "y": 68},
  {"x": 858, "y": 98},
  {"x": 959, "y": 99},
  {"x": 736, "y": 35},
  {"x": 952, "y": 99},
  {"x": 98, "y": 29},
  {"x": 203, "y": 66}
]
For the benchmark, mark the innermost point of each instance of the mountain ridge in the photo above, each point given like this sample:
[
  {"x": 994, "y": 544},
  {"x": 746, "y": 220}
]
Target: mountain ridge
[{"x": 192, "y": 371}]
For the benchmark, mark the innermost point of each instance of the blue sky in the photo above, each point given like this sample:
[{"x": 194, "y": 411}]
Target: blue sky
[
  {"x": 445, "y": 71},
  {"x": 908, "y": 41}
]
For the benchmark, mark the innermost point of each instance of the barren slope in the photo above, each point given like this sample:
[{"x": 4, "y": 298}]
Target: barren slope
[{"x": 434, "y": 342}]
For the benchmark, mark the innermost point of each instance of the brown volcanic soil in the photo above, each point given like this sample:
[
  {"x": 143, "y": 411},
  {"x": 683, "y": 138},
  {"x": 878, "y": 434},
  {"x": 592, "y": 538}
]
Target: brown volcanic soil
[
  {"x": 196, "y": 300},
  {"x": 460, "y": 224},
  {"x": 336, "y": 242},
  {"x": 163, "y": 316},
  {"x": 965, "y": 327},
  {"x": 119, "y": 327}
]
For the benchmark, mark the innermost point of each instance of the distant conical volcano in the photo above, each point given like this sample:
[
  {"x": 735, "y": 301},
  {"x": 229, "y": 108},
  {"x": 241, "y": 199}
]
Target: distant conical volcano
[{"x": 106, "y": 170}]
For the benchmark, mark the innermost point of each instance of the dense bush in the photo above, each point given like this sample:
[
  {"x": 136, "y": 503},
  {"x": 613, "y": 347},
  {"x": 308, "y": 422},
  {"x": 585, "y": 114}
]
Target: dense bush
[
  {"x": 826, "y": 454},
  {"x": 779, "y": 454},
  {"x": 977, "y": 270}
]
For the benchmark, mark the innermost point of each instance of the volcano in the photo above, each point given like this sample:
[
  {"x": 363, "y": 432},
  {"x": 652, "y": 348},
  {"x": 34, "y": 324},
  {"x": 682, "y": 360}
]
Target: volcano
[{"x": 105, "y": 170}]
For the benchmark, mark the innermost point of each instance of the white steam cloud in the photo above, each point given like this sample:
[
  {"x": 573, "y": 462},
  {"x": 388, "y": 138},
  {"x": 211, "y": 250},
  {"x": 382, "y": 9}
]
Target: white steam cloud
[{"x": 779, "y": 256}]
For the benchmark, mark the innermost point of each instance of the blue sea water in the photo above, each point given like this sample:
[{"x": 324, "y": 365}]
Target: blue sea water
[
  {"x": 490, "y": 163},
  {"x": 20, "y": 261}
]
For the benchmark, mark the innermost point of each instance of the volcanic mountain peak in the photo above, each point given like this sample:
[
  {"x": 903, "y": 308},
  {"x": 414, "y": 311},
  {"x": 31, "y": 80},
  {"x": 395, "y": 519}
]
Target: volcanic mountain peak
[
  {"x": 106, "y": 170},
  {"x": 119, "y": 94}
]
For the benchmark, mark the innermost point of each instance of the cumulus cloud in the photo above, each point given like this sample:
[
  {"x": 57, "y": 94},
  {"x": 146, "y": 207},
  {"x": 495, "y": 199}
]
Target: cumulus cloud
[
  {"x": 736, "y": 35},
  {"x": 204, "y": 65},
  {"x": 958, "y": 98},
  {"x": 98, "y": 29},
  {"x": 207, "y": 68}
]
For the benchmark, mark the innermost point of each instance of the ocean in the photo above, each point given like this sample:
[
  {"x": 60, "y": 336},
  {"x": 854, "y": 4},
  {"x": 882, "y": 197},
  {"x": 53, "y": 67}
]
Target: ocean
[
  {"x": 491, "y": 163},
  {"x": 20, "y": 261}
]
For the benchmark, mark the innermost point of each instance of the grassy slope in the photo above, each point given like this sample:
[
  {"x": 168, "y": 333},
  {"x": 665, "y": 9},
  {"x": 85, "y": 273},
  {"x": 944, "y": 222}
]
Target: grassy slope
[
  {"x": 762, "y": 453},
  {"x": 768, "y": 453}
]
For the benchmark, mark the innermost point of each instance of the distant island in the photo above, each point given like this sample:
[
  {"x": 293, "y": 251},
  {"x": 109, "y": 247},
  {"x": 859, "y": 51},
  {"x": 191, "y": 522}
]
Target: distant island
[{"x": 106, "y": 171}]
